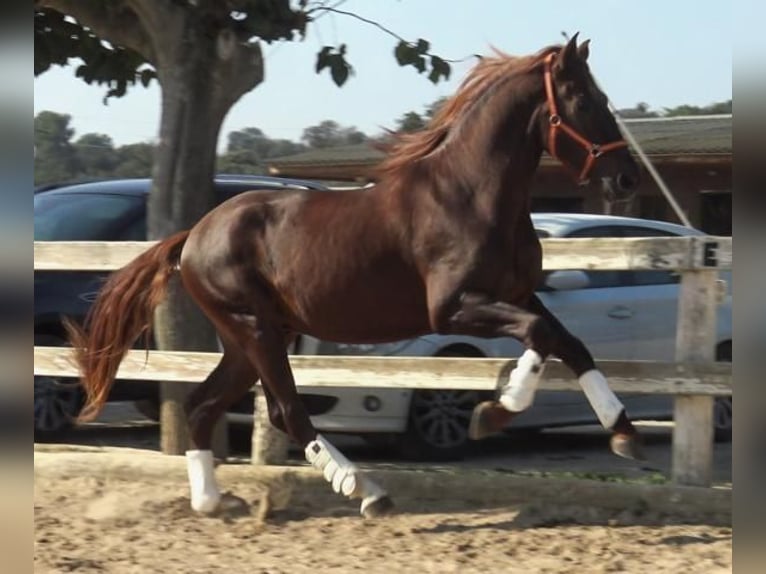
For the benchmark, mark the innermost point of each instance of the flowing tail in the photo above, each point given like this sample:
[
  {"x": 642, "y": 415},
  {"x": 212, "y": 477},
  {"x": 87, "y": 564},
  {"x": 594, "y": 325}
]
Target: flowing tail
[{"x": 122, "y": 312}]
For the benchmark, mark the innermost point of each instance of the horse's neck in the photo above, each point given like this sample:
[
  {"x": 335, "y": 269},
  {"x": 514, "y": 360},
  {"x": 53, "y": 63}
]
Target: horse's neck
[{"x": 495, "y": 156}]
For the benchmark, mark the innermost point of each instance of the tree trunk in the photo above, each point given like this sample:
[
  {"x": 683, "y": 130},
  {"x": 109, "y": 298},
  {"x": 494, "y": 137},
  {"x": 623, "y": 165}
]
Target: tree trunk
[{"x": 198, "y": 89}]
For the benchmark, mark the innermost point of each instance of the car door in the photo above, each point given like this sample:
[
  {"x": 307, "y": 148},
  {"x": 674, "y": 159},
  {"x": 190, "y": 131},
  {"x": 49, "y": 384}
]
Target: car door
[
  {"x": 654, "y": 305},
  {"x": 602, "y": 314}
]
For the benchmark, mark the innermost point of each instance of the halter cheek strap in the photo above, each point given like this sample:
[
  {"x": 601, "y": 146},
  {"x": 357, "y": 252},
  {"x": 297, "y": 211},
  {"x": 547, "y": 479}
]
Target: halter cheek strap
[{"x": 557, "y": 125}]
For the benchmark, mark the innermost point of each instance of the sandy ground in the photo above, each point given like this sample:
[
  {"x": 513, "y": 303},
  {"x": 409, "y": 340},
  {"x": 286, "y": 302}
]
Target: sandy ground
[{"x": 107, "y": 522}]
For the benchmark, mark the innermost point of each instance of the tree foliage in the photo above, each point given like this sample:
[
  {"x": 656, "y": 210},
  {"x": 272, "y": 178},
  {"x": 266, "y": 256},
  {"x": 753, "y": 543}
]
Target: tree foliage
[
  {"x": 55, "y": 156},
  {"x": 249, "y": 149},
  {"x": 643, "y": 110},
  {"x": 413, "y": 121},
  {"x": 330, "y": 133},
  {"x": 96, "y": 155},
  {"x": 687, "y": 110},
  {"x": 58, "y": 159}
]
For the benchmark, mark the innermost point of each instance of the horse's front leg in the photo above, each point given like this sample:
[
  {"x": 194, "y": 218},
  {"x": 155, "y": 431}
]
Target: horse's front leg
[
  {"x": 478, "y": 315},
  {"x": 542, "y": 334},
  {"x": 611, "y": 413}
]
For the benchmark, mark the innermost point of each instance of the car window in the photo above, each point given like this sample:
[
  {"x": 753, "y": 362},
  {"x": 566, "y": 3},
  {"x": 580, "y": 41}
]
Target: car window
[
  {"x": 600, "y": 279},
  {"x": 135, "y": 230},
  {"x": 659, "y": 277},
  {"x": 83, "y": 216},
  {"x": 603, "y": 279},
  {"x": 638, "y": 231}
]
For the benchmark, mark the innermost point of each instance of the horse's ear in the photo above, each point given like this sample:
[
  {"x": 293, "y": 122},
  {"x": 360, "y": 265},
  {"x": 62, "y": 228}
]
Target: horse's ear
[
  {"x": 568, "y": 55},
  {"x": 583, "y": 50}
]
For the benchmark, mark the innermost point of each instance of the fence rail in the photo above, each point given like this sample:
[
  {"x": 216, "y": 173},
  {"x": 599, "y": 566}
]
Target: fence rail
[
  {"x": 694, "y": 379},
  {"x": 642, "y": 377},
  {"x": 655, "y": 253}
]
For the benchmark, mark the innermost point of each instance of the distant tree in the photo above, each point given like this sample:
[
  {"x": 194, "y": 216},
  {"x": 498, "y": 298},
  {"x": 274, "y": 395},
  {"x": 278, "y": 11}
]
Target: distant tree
[
  {"x": 254, "y": 140},
  {"x": 410, "y": 122},
  {"x": 641, "y": 110},
  {"x": 687, "y": 110},
  {"x": 331, "y": 134},
  {"x": 249, "y": 139},
  {"x": 249, "y": 148},
  {"x": 96, "y": 156},
  {"x": 415, "y": 121},
  {"x": 433, "y": 108},
  {"x": 55, "y": 156},
  {"x": 241, "y": 162},
  {"x": 135, "y": 160},
  {"x": 352, "y": 136}
]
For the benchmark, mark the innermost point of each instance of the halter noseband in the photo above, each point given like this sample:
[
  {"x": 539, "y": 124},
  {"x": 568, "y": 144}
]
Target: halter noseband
[{"x": 594, "y": 150}]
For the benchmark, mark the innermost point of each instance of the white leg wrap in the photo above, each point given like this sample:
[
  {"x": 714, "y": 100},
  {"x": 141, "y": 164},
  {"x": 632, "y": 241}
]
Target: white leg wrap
[
  {"x": 603, "y": 400},
  {"x": 519, "y": 393},
  {"x": 343, "y": 475},
  {"x": 205, "y": 495}
]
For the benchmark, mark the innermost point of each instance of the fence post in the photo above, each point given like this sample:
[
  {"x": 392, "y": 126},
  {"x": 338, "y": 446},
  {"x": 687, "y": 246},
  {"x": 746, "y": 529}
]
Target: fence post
[
  {"x": 269, "y": 444},
  {"x": 695, "y": 342}
]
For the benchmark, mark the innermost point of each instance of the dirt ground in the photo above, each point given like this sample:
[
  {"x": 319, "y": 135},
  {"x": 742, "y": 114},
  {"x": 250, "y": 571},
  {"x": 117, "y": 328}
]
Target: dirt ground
[{"x": 125, "y": 522}]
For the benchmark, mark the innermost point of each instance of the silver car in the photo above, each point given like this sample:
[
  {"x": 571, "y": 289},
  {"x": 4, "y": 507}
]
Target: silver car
[{"x": 622, "y": 315}]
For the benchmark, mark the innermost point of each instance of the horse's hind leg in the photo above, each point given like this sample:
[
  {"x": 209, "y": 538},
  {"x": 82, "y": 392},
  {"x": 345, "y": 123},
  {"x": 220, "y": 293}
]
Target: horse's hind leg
[
  {"x": 264, "y": 345},
  {"x": 224, "y": 386},
  {"x": 611, "y": 412}
]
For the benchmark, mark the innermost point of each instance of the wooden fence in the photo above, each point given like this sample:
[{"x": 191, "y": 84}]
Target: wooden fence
[{"x": 694, "y": 379}]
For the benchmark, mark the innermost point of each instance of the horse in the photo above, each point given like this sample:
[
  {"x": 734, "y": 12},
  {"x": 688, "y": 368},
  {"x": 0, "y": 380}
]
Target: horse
[{"x": 442, "y": 243}]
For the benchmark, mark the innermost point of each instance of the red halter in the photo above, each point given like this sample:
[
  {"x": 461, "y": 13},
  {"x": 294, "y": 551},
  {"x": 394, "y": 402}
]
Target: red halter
[{"x": 594, "y": 150}]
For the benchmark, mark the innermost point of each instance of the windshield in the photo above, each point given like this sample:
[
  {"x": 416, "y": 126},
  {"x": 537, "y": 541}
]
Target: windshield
[{"x": 83, "y": 216}]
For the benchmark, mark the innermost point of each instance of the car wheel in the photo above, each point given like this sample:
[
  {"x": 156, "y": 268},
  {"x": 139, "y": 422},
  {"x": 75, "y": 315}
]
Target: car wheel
[
  {"x": 438, "y": 424},
  {"x": 57, "y": 401},
  {"x": 722, "y": 407},
  {"x": 437, "y": 427}
]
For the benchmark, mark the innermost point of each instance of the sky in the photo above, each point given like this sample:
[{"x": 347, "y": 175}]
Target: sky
[{"x": 664, "y": 53}]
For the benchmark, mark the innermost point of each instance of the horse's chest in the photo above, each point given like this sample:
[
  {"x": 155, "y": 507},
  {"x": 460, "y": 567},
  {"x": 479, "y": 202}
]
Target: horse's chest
[{"x": 509, "y": 270}]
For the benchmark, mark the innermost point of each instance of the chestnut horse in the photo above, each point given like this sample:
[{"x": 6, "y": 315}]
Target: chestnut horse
[{"x": 443, "y": 243}]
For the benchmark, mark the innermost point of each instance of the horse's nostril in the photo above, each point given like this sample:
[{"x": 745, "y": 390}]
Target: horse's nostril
[{"x": 625, "y": 182}]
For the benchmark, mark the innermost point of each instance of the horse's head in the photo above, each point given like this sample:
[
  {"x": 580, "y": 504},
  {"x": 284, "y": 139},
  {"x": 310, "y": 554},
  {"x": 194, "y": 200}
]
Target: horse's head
[{"x": 578, "y": 127}]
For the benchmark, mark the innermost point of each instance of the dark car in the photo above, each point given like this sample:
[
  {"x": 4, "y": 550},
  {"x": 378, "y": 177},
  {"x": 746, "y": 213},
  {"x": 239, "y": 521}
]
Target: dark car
[{"x": 113, "y": 210}]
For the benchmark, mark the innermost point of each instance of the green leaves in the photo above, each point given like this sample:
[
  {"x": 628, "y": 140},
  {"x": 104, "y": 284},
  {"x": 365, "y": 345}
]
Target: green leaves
[
  {"x": 335, "y": 60},
  {"x": 439, "y": 69},
  {"x": 57, "y": 40},
  {"x": 416, "y": 55}
]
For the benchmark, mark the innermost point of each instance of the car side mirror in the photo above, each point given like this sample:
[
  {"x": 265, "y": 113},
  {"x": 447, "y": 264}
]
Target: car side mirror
[{"x": 567, "y": 280}]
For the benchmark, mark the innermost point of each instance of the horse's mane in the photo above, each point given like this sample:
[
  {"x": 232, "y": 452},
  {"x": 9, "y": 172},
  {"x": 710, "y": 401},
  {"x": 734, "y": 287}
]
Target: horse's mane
[{"x": 407, "y": 148}]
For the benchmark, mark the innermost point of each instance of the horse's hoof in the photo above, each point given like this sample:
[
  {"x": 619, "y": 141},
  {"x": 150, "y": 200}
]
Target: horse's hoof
[
  {"x": 231, "y": 505},
  {"x": 488, "y": 418},
  {"x": 206, "y": 504},
  {"x": 378, "y": 507},
  {"x": 628, "y": 446}
]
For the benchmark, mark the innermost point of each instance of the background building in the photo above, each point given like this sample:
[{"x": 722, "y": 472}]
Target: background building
[{"x": 692, "y": 154}]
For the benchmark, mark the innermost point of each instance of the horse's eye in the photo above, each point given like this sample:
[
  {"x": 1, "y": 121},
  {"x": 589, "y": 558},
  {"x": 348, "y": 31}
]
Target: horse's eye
[{"x": 582, "y": 104}]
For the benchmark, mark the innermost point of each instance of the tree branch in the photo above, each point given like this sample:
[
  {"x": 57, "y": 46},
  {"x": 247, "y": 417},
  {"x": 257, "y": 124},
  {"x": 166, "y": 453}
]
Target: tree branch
[
  {"x": 334, "y": 10},
  {"x": 112, "y": 21}
]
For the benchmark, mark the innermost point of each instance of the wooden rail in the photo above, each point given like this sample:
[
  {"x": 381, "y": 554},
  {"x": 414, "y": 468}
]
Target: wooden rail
[
  {"x": 678, "y": 253},
  {"x": 693, "y": 380},
  {"x": 643, "y": 377}
]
